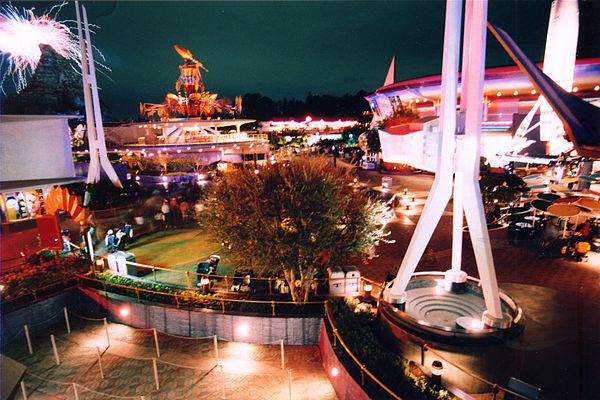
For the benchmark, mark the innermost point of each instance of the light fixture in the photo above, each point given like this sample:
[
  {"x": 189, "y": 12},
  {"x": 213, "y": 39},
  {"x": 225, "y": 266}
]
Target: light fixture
[
  {"x": 334, "y": 372},
  {"x": 437, "y": 368},
  {"x": 533, "y": 91},
  {"x": 124, "y": 311},
  {"x": 242, "y": 330}
]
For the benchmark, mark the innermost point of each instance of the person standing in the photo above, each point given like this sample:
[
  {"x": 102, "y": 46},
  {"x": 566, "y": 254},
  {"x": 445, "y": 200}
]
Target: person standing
[{"x": 165, "y": 209}]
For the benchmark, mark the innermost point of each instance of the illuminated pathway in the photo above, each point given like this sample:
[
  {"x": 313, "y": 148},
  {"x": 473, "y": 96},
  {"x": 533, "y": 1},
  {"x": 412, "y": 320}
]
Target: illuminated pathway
[{"x": 186, "y": 369}]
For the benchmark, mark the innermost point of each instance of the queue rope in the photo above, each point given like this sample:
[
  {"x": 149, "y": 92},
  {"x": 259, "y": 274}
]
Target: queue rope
[
  {"x": 160, "y": 360},
  {"x": 48, "y": 380},
  {"x": 106, "y": 394},
  {"x": 184, "y": 337},
  {"x": 46, "y": 320},
  {"x": 86, "y": 318}
]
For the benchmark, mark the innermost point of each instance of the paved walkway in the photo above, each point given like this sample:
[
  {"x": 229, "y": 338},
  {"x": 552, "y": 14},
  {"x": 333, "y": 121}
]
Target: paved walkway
[
  {"x": 187, "y": 368},
  {"x": 514, "y": 264}
]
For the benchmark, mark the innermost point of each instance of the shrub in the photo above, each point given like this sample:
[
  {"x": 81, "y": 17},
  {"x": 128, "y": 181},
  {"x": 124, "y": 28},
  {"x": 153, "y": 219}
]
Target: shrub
[
  {"x": 41, "y": 270},
  {"x": 357, "y": 329}
]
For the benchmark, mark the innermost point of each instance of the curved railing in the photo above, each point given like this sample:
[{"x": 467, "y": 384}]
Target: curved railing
[
  {"x": 214, "y": 302},
  {"x": 363, "y": 370}
]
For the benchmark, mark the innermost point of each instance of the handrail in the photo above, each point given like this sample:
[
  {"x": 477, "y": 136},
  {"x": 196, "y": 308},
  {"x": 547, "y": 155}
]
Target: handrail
[
  {"x": 355, "y": 359},
  {"x": 33, "y": 292},
  {"x": 220, "y": 298}
]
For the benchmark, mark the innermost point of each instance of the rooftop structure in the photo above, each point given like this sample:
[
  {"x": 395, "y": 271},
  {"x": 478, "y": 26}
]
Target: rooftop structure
[{"x": 508, "y": 95}]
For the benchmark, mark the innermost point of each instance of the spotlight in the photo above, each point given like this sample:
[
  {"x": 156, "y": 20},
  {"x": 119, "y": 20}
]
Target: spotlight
[
  {"x": 243, "y": 330},
  {"x": 124, "y": 312},
  {"x": 334, "y": 372}
]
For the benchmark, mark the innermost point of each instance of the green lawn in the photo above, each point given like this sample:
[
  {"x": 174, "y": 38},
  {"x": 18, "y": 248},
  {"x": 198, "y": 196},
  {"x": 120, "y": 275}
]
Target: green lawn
[{"x": 178, "y": 249}]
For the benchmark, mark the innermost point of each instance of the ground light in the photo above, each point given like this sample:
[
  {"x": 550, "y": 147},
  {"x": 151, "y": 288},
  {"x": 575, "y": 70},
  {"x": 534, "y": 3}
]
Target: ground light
[
  {"x": 242, "y": 330},
  {"x": 334, "y": 372},
  {"x": 437, "y": 368}
]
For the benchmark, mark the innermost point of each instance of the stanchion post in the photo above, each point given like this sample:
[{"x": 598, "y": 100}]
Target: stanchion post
[
  {"x": 23, "y": 391},
  {"x": 29, "y": 346},
  {"x": 156, "y": 343},
  {"x": 216, "y": 344},
  {"x": 154, "y": 274},
  {"x": 100, "y": 362},
  {"x": 75, "y": 394},
  {"x": 282, "y": 354},
  {"x": 55, "y": 350},
  {"x": 155, "y": 368},
  {"x": 106, "y": 330},
  {"x": 67, "y": 319},
  {"x": 290, "y": 383},
  {"x": 423, "y": 350},
  {"x": 187, "y": 277},
  {"x": 222, "y": 383}
]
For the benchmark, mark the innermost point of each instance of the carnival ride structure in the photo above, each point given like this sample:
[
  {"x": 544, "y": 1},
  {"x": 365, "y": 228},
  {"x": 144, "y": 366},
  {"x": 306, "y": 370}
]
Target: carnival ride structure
[{"x": 191, "y": 100}]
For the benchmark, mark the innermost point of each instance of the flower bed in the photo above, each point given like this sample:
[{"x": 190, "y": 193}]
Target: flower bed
[
  {"x": 357, "y": 328},
  {"x": 43, "y": 275},
  {"x": 224, "y": 302}
]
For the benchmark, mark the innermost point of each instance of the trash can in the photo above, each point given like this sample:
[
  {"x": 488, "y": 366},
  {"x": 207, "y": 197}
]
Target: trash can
[
  {"x": 336, "y": 281},
  {"x": 123, "y": 266},
  {"x": 352, "y": 275}
]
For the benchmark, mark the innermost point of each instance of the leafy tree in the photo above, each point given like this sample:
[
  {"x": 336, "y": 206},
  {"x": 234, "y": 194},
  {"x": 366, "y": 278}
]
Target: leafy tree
[{"x": 293, "y": 219}]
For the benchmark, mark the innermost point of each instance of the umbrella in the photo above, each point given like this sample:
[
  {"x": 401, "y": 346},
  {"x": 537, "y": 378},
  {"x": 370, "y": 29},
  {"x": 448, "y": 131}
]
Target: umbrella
[
  {"x": 595, "y": 175},
  {"x": 566, "y": 200},
  {"x": 548, "y": 196},
  {"x": 558, "y": 188},
  {"x": 564, "y": 211},
  {"x": 541, "y": 205},
  {"x": 531, "y": 177},
  {"x": 570, "y": 180},
  {"x": 588, "y": 178},
  {"x": 589, "y": 203}
]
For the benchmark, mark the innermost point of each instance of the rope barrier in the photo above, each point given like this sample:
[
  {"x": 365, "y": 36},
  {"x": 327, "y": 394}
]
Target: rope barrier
[
  {"x": 85, "y": 318},
  {"x": 184, "y": 337},
  {"x": 47, "y": 380},
  {"x": 106, "y": 394},
  {"x": 181, "y": 366},
  {"x": 46, "y": 320}
]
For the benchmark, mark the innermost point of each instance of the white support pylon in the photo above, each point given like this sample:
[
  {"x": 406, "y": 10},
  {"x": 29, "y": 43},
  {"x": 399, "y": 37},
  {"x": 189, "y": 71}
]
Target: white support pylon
[
  {"x": 95, "y": 129},
  {"x": 458, "y": 163}
]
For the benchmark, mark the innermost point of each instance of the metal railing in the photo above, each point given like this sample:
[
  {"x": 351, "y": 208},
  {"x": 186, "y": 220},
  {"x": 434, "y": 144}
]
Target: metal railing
[
  {"x": 183, "y": 298},
  {"x": 423, "y": 348},
  {"x": 363, "y": 369}
]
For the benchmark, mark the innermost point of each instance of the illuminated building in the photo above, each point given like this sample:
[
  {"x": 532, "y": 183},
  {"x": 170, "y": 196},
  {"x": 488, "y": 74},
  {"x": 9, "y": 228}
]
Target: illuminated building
[{"x": 508, "y": 97}]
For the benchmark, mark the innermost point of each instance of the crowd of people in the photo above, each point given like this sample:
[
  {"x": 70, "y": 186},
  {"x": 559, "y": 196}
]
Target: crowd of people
[
  {"x": 553, "y": 239},
  {"x": 119, "y": 237},
  {"x": 174, "y": 212}
]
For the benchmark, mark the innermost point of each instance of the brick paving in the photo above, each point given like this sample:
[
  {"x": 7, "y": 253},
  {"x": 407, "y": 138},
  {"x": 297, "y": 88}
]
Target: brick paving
[
  {"x": 514, "y": 264},
  {"x": 187, "y": 367}
]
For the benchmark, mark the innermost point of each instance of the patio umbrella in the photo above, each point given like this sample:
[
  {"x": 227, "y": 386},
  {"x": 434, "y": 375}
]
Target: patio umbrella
[
  {"x": 541, "y": 205},
  {"x": 532, "y": 177},
  {"x": 548, "y": 196},
  {"x": 589, "y": 203},
  {"x": 565, "y": 211},
  {"x": 558, "y": 188},
  {"x": 566, "y": 200},
  {"x": 588, "y": 178}
]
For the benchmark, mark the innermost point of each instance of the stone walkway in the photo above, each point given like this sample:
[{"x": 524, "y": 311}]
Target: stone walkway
[{"x": 187, "y": 368}]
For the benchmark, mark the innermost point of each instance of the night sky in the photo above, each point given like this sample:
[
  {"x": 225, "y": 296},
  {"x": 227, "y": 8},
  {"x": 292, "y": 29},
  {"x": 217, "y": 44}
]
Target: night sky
[{"x": 286, "y": 49}]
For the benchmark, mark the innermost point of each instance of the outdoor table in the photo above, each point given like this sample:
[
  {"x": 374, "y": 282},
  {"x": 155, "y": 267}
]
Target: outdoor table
[
  {"x": 565, "y": 211},
  {"x": 567, "y": 200}
]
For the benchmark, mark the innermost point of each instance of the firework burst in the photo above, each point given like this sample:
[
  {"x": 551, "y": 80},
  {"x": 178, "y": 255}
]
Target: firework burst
[{"x": 21, "y": 34}]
